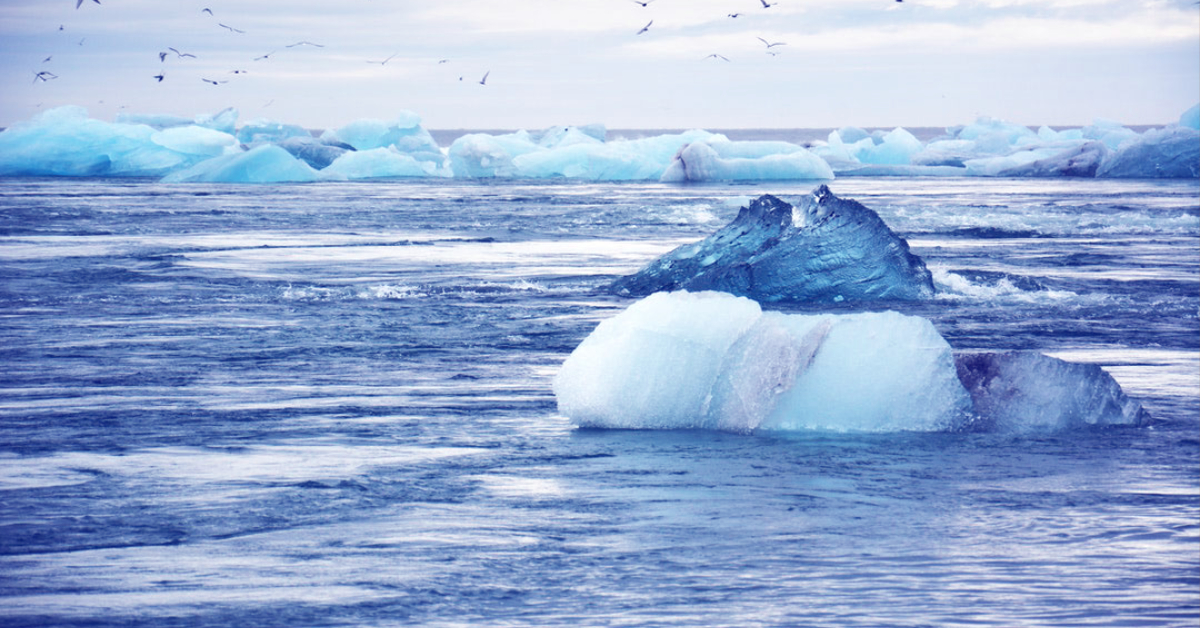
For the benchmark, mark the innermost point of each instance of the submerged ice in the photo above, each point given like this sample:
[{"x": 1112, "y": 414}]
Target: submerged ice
[
  {"x": 825, "y": 249},
  {"x": 66, "y": 142},
  {"x": 710, "y": 360}
]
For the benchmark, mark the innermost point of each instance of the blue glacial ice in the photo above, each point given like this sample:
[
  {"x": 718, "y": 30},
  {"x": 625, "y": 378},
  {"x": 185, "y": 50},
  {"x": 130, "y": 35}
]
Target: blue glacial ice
[
  {"x": 265, "y": 164},
  {"x": 1025, "y": 391},
  {"x": 825, "y": 249},
  {"x": 66, "y": 142},
  {"x": 709, "y": 360}
]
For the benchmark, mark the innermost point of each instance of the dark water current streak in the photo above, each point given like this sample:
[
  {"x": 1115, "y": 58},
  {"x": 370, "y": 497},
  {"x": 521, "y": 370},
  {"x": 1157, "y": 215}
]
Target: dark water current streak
[{"x": 330, "y": 405}]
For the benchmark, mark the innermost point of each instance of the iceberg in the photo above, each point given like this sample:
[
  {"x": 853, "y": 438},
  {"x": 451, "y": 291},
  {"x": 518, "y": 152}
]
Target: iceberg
[
  {"x": 482, "y": 156},
  {"x": 263, "y": 130},
  {"x": 826, "y": 249},
  {"x": 265, "y": 164},
  {"x": 1024, "y": 391},
  {"x": 376, "y": 162},
  {"x": 722, "y": 160},
  {"x": 709, "y": 360},
  {"x": 312, "y": 151},
  {"x": 404, "y": 133},
  {"x": 1173, "y": 152},
  {"x": 65, "y": 142},
  {"x": 1080, "y": 161},
  {"x": 1191, "y": 118}
]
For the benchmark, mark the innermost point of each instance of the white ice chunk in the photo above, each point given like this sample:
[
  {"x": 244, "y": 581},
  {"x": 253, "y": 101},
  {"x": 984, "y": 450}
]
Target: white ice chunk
[
  {"x": 1173, "y": 152},
  {"x": 195, "y": 140},
  {"x": 718, "y": 161},
  {"x": 711, "y": 360}
]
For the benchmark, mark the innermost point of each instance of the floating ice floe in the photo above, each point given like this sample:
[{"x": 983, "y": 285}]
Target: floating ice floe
[
  {"x": 709, "y": 360},
  {"x": 265, "y": 164},
  {"x": 65, "y": 142},
  {"x": 825, "y": 249}
]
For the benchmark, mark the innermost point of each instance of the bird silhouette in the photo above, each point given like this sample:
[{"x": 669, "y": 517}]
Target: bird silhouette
[
  {"x": 180, "y": 54},
  {"x": 717, "y": 56},
  {"x": 44, "y": 76},
  {"x": 231, "y": 29},
  {"x": 47, "y": 59},
  {"x": 771, "y": 45},
  {"x": 644, "y": 3},
  {"x": 206, "y": 10},
  {"x": 384, "y": 62},
  {"x": 483, "y": 81},
  {"x": 266, "y": 56},
  {"x": 646, "y": 27},
  {"x": 160, "y": 76},
  {"x": 767, "y": 5},
  {"x": 303, "y": 43},
  {"x": 735, "y": 15},
  {"x": 79, "y": 3},
  {"x": 212, "y": 82}
]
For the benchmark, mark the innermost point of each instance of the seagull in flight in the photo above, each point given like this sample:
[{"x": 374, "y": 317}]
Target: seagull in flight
[
  {"x": 644, "y": 3},
  {"x": 206, "y": 10},
  {"x": 771, "y": 45},
  {"x": 735, "y": 15},
  {"x": 646, "y": 27},
  {"x": 266, "y": 56},
  {"x": 179, "y": 54},
  {"x": 717, "y": 56},
  {"x": 384, "y": 62},
  {"x": 47, "y": 59},
  {"x": 303, "y": 43},
  {"x": 79, "y": 3},
  {"x": 483, "y": 81},
  {"x": 160, "y": 76},
  {"x": 231, "y": 29},
  {"x": 767, "y": 5},
  {"x": 212, "y": 82},
  {"x": 44, "y": 76}
]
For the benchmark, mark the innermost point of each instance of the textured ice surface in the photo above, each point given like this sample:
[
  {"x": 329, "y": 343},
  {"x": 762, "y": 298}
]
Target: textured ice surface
[
  {"x": 715, "y": 361},
  {"x": 1024, "y": 391},
  {"x": 263, "y": 130},
  {"x": 265, "y": 164},
  {"x": 316, "y": 153},
  {"x": 1190, "y": 118},
  {"x": 1080, "y": 161},
  {"x": 826, "y": 249},
  {"x": 1173, "y": 152}
]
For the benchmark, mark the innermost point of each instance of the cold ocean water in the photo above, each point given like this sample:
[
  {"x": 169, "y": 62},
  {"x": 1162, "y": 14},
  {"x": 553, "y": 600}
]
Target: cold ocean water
[{"x": 330, "y": 404}]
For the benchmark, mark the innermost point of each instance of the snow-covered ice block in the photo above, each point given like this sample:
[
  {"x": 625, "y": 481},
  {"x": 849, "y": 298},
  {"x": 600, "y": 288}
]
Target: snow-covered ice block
[
  {"x": 404, "y": 133},
  {"x": 224, "y": 121},
  {"x": 1024, "y": 391},
  {"x": 825, "y": 249},
  {"x": 1080, "y": 161},
  {"x": 714, "y": 361},
  {"x": 483, "y": 156},
  {"x": 265, "y": 164},
  {"x": 1173, "y": 152},
  {"x": 720, "y": 161}
]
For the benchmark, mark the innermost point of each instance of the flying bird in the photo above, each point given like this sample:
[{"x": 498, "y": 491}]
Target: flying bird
[
  {"x": 44, "y": 76},
  {"x": 767, "y": 5},
  {"x": 384, "y": 62},
  {"x": 643, "y": 2},
  {"x": 231, "y": 29},
  {"x": 303, "y": 43},
  {"x": 266, "y": 56},
  {"x": 441, "y": 61},
  {"x": 206, "y": 10},
  {"x": 160, "y": 76},
  {"x": 483, "y": 81},
  {"x": 180, "y": 54},
  {"x": 79, "y": 3},
  {"x": 717, "y": 56},
  {"x": 735, "y": 14},
  {"x": 238, "y": 72},
  {"x": 47, "y": 59},
  {"x": 771, "y": 45},
  {"x": 646, "y": 27},
  {"x": 212, "y": 82}
]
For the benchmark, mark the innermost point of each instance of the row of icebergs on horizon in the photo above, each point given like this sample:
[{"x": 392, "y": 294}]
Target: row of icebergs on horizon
[{"x": 65, "y": 141}]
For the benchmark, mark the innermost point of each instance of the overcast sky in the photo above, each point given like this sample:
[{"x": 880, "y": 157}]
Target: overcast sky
[{"x": 842, "y": 62}]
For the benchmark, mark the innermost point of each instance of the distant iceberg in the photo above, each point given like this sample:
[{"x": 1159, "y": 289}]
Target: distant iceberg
[
  {"x": 66, "y": 142},
  {"x": 265, "y": 164},
  {"x": 825, "y": 249},
  {"x": 709, "y": 360}
]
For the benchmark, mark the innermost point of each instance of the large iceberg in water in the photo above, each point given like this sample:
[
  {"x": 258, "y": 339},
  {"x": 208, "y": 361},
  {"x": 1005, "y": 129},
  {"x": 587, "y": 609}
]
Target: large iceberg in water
[
  {"x": 722, "y": 160},
  {"x": 265, "y": 164},
  {"x": 826, "y": 249},
  {"x": 716, "y": 361},
  {"x": 709, "y": 360},
  {"x": 1173, "y": 152}
]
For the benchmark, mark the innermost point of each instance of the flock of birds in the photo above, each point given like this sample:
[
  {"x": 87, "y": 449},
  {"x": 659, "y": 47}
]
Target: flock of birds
[{"x": 45, "y": 75}]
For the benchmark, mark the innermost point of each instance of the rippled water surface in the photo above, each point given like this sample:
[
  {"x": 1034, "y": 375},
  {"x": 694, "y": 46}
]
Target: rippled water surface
[{"x": 330, "y": 404}]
